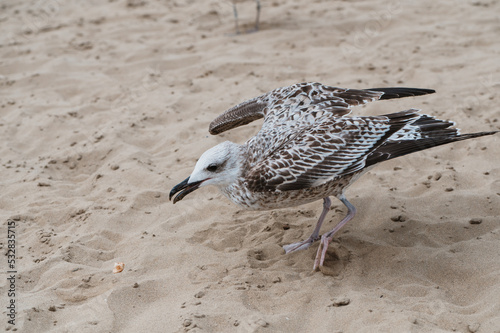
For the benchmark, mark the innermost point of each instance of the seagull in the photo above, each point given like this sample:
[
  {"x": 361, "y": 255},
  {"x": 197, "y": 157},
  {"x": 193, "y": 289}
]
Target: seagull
[
  {"x": 310, "y": 148},
  {"x": 235, "y": 11}
]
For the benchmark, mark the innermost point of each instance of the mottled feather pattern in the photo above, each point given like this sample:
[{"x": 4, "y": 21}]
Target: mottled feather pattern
[
  {"x": 313, "y": 99},
  {"x": 293, "y": 109},
  {"x": 329, "y": 149},
  {"x": 310, "y": 147}
]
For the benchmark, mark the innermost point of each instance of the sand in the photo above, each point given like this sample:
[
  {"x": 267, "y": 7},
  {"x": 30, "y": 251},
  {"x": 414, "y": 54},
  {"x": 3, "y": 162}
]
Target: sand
[{"x": 105, "y": 105}]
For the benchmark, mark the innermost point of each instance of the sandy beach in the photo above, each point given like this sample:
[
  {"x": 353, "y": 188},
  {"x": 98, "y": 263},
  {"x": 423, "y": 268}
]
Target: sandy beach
[{"x": 105, "y": 106}]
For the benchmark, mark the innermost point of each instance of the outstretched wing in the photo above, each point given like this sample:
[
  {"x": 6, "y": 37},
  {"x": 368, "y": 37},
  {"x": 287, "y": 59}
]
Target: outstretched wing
[
  {"x": 305, "y": 140},
  {"x": 284, "y": 103},
  {"x": 239, "y": 115},
  {"x": 296, "y": 101},
  {"x": 332, "y": 148}
]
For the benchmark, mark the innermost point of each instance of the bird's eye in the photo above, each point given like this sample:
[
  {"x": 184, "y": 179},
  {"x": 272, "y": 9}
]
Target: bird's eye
[{"x": 212, "y": 167}]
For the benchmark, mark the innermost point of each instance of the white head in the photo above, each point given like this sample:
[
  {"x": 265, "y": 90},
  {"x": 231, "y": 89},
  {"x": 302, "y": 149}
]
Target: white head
[{"x": 219, "y": 166}]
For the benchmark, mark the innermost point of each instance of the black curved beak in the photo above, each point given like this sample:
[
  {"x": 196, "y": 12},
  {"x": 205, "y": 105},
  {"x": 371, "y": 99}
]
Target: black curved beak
[{"x": 183, "y": 188}]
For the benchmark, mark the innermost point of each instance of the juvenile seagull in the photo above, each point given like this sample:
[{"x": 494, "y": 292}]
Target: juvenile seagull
[{"x": 309, "y": 149}]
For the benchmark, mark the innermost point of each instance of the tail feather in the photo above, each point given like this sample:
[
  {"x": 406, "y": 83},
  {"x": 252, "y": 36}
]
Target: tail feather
[
  {"x": 432, "y": 133},
  {"x": 427, "y": 123}
]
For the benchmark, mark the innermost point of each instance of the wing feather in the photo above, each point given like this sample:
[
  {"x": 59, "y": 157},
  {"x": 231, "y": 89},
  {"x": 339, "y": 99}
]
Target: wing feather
[
  {"x": 238, "y": 115},
  {"x": 306, "y": 138},
  {"x": 316, "y": 156}
]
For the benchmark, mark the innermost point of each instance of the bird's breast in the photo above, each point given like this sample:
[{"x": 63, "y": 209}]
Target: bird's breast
[{"x": 243, "y": 197}]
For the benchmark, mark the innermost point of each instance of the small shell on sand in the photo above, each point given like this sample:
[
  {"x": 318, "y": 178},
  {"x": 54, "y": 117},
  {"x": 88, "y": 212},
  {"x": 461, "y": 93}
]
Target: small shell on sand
[{"x": 119, "y": 266}]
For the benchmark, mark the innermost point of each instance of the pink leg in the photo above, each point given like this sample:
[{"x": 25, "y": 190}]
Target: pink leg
[
  {"x": 327, "y": 238},
  {"x": 315, "y": 235}
]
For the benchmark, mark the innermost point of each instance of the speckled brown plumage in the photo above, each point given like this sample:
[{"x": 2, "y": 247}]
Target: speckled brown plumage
[{"x": 310, "y": 148}]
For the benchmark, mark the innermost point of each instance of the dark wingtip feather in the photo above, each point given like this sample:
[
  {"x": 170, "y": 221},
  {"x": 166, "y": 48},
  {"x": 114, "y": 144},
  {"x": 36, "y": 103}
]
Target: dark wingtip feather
[
  {"x": 399, "y": 92},
  {"x": 403, "y": 147},
  {"x": 238, "y": 115}
]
